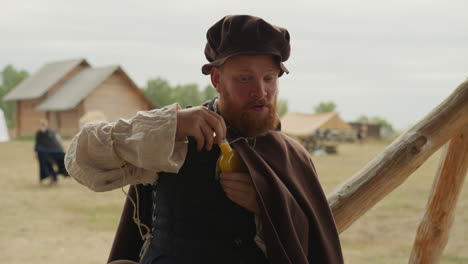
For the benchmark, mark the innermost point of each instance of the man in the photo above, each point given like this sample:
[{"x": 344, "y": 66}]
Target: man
[{"x": 276, "y": 213}]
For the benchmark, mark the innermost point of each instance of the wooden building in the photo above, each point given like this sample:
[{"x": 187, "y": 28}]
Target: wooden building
[
  {"x": 373, "y": 130},
  {"x": 62, "y": 92}
]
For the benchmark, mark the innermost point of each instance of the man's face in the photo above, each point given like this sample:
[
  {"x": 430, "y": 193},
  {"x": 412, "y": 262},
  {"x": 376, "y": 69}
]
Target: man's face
[{"x": 247, "y": 87}]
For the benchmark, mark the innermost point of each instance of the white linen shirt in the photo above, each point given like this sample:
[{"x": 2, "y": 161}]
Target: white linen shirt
[
  {"x": 146, "y": 143},
  {"x": 106, "y": 156}
]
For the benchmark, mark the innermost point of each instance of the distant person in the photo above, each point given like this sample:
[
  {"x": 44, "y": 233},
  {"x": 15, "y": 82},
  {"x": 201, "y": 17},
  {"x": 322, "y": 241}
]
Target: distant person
[
  {"x": 362, "y": 132},
  {"x": 49, "y": 153}
]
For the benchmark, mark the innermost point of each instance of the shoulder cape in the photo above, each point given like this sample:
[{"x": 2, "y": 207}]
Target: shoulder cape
[{"x": 298, "y": 226}]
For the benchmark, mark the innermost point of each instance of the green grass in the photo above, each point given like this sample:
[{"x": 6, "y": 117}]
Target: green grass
[
  {"x": 386, "y": 233},
  {"x": 100, "y": 217},
  {"x": 68, "y": 223}
]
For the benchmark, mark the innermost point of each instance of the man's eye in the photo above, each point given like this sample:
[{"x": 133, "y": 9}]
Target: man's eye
[
  {"x": 244, "y": 78},
  {"x": 270, "y": 78}
]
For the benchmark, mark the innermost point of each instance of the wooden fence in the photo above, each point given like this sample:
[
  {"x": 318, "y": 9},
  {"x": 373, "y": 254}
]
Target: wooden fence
[{"x": 447, "y": 123}]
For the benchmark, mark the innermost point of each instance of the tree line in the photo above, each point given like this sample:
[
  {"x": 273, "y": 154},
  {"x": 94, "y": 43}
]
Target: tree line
[
  {"x": 9, "y": 79},
  {"x": 161, "y": 93},
  {"x": 158, "y": 90},
  {"x": 325, "y": 107}
]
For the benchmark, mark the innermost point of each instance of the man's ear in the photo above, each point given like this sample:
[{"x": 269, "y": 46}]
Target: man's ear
[{"x": 215, "y": 76}]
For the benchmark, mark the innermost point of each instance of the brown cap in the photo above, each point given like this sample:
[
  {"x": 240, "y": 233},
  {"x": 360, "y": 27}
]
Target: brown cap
[{"x": 243, "y": 35}]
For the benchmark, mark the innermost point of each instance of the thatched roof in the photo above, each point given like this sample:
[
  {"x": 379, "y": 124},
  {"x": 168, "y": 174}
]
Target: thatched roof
[
  {"x": 41, "y": 81},
  {"x": 300, "y": 124},
  {"x": 76, "y": 89}
]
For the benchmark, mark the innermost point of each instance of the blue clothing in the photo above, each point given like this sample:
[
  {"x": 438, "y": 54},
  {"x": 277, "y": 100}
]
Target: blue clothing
[{"x": 49, "y": 154}]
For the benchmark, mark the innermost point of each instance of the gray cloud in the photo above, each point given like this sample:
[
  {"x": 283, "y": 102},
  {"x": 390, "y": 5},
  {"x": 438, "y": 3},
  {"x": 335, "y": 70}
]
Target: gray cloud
[{"x": 396, "y": 59}]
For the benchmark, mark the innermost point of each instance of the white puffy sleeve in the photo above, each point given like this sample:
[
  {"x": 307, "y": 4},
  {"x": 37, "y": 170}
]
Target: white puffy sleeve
[{"x": 105, "y": 156}]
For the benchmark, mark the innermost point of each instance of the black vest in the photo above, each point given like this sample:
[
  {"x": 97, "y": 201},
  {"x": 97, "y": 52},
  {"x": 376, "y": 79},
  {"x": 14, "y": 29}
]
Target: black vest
[{"x": 194, "y": 221}]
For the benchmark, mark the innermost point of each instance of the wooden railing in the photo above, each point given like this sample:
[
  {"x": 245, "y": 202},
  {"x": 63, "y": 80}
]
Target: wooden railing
[{"x": 447, "y": 122}]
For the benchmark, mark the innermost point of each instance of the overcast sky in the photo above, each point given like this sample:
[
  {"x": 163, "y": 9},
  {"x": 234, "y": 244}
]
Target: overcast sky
[{"x": 394, "y": 59}]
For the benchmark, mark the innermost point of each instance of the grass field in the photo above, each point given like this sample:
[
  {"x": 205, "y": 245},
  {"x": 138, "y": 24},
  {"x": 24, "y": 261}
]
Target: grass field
[{"x": 68, "y": 223}]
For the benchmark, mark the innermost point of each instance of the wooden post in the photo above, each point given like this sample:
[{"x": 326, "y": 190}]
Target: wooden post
[
  {"x": 433, "y": 231},
  {"x": 399, "y": 160}
]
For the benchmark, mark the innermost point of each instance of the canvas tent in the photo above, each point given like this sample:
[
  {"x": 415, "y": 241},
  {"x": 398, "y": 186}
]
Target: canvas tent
[
  {"x": 321, "y": 131},
  {"x": 3, "y": 128},
  {"x": 302, "y": 124}
]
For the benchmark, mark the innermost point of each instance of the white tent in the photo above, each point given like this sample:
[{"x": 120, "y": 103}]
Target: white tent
[
  {"x": 3, "y": 128},
  {"x": 302, "y": 124}
]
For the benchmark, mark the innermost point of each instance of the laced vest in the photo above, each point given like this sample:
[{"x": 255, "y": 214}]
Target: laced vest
[{"x": 194, "y": 221}]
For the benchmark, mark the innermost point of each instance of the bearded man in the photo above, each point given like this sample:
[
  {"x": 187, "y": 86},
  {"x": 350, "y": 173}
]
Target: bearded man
[{"x": 274, "y": 213}]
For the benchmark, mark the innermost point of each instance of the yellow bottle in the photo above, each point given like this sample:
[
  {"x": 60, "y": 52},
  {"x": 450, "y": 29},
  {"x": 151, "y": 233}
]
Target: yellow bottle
[{"x": 229, "y": 160}]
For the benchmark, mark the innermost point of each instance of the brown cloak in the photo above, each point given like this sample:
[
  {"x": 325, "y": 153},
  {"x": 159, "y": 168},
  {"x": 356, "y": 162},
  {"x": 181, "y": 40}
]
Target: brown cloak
[{"x": 298, "y": 226}]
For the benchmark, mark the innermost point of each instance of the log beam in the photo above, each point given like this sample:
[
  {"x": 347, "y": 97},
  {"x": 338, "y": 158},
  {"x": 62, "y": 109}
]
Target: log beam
[
  {"x": 434, "y": 229},
  {"x": 393, "y": 166}
]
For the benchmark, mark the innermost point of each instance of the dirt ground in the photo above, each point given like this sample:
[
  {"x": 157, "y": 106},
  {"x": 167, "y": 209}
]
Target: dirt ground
[{"x": 68, "y": 223}]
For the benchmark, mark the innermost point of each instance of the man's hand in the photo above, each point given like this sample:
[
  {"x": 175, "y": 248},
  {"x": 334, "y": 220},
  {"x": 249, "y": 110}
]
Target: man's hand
[
  {"x": 239, "y": 188},
  {"x": 199, "y": 122}
]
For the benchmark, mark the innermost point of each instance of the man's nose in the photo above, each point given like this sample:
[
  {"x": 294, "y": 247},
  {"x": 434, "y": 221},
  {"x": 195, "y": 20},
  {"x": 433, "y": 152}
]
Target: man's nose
[{"x": 258, "y": 90}]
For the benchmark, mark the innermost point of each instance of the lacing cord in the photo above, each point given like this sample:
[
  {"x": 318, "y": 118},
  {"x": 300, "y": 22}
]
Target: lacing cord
[
  {"x": 145, "y": 236},
  {"x": 246, "y": 140},
  {"x": 136, "y": 205},
  {"x": 136, "y": 211}
]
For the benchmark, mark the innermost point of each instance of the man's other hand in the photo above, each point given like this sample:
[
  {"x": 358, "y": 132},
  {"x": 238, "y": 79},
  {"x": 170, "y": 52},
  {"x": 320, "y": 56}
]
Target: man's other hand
[
  {"x": 199, "y": 122},
  {"x": 239, "y": 188}
]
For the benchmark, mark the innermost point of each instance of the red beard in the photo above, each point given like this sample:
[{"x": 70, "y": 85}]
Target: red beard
[{"x": 246, "y": 121}]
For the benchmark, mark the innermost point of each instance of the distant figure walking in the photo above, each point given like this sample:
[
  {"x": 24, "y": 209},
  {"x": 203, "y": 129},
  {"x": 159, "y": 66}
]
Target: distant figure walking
[
  {"x": 49, "y": 153},
  {"x": 362, "y": 132}
]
